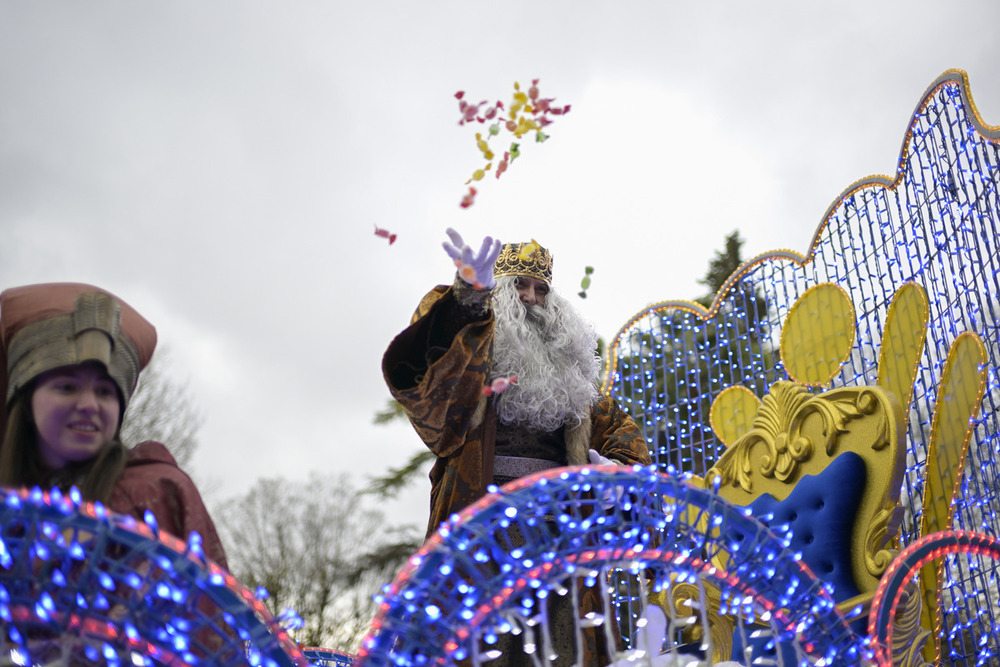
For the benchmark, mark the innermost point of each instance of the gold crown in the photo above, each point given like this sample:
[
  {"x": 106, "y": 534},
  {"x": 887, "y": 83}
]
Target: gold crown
[{"x": 524, "y": 259}]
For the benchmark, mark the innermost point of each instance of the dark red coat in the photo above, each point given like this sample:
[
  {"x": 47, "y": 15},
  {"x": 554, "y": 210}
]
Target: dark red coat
[{"x": 152, "y": 480}]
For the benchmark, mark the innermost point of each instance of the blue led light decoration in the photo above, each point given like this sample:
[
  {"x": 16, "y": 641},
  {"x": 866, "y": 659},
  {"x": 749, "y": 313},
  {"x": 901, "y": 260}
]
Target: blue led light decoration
[
  {"x": 82, "y": 585},
  {"x": 936, "y": 223},
  {"x": 905, "y": 569},
  {"x": 494, "y": 570},
  {"x": 327, "y": 657}
]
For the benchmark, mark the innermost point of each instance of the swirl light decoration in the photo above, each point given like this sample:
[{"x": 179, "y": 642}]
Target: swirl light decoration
[
  {"x": 81, "y": 585},
  {"x": 906, "y": 567},
  {"x": 935, "y": 224},
  {"x": 490, "y": 570}
]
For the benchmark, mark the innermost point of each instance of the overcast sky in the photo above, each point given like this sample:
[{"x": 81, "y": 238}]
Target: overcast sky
[{"x": 222, "y": 166}]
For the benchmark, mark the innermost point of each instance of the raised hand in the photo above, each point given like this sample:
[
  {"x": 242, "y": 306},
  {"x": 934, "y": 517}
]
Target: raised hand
[{"x": 474, "y": 268}]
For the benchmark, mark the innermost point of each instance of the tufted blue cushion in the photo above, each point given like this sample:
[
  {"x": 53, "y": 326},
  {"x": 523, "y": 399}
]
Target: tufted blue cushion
[{"x": 821, "y": 511}]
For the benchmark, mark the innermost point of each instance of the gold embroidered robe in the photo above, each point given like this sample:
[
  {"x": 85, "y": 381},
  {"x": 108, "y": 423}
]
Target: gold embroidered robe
[{"x": 437, "y": 368}]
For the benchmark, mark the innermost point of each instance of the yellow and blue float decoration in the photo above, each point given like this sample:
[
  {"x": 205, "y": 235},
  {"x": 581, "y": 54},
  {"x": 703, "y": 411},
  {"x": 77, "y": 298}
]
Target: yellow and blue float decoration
[
  {"x": 932, "y": 230},
  {"x": 894, "y": 304}
]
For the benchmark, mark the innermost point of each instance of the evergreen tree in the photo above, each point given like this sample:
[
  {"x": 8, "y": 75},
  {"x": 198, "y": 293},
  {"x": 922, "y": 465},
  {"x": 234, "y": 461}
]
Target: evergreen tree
[{"x": 680, "y": 362}]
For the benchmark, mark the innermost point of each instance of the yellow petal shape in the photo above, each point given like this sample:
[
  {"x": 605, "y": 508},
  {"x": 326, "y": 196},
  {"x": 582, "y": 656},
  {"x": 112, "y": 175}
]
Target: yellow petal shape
[
  {"x": 903, "y": 342},
  {"x": 818, "y": 334},
  {"x": 733, "y": 412},
  {"x": 958, "y": 398}
]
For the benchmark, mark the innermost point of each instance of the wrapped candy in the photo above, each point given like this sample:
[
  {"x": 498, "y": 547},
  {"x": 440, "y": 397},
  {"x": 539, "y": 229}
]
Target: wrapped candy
[
  {"x": 499, "y": 385},
  {"x": 528, "y": 112}
]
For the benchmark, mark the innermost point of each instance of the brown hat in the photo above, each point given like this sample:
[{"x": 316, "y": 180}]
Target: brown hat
[{"x": 52, "y": 325}]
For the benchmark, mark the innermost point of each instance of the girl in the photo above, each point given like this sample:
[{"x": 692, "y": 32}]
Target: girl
[{"x": 70, "y": 357}]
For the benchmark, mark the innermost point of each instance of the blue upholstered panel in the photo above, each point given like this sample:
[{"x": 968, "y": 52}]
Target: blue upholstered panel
[{"x": 821, "y": 511}]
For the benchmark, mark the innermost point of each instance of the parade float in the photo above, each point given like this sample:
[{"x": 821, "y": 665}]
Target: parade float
[{"x": 824, "y": 487}]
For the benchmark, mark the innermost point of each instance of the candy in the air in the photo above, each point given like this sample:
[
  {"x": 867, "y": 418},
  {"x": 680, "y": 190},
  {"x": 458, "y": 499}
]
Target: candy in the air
[
  {"x": 467, "y": 110},
  {"x": 502, "y": 166},
  {"x": 384, "y": 233},
  {"x": 528, "y": 250},
  {"x": 585, "y": 283},
  {"x": 468, "y": 274},
  {"x": 469, "y": 198},
  {"x": 499, "y": 385},
  {"x": 483, "y": 146},
  {"x": 528, "y": 112},
  {"x": 478, "y": 174}
]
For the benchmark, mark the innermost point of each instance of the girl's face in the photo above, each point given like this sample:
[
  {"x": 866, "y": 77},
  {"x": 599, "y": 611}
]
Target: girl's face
[{"x": 75, "y": 409}]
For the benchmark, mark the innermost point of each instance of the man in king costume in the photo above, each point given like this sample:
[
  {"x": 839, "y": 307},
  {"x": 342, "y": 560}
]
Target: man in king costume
[{"x": 500, "y": 319}]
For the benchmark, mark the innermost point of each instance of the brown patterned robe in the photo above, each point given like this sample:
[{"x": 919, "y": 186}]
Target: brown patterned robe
[{"x": 437, "y": 367}]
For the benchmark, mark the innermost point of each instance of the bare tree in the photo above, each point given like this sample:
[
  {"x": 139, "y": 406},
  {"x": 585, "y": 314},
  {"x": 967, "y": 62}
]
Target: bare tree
[
  {"x": 162, "y": 409},
  {"x": 316, "y": 548}
]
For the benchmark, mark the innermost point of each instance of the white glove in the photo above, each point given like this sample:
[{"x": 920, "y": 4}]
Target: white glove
[
  {"x": 475, "y": 269},
  {"x": 609, "y": 497},
  {"x": 598, "y": 460}
]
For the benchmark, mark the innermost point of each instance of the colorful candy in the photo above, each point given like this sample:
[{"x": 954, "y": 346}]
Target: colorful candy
[
  {"x": 468, "y": 274},
  {"x": 384, "y": 233},
  {"x": 585, "y": 283},
  {"x": 528, "y": 112},
  {"x": 528, "y": 250},
  {"x": 469, "y": 198},
  {"x": 499, "y": 385}
]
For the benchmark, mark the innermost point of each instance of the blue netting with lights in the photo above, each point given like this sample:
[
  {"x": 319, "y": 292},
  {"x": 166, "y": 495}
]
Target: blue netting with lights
[
  {"x": 489, "y": 571},
  {"x": 83, "y": 586},
  {"x": 327, "y": 657},
  {"x": 935, "y": 224},
  {"x": 906, "y": 567}
]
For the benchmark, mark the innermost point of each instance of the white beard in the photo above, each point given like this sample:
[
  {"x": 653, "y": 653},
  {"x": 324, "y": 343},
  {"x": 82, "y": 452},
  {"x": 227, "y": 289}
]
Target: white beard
[{"x": 553, "y": 353}]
